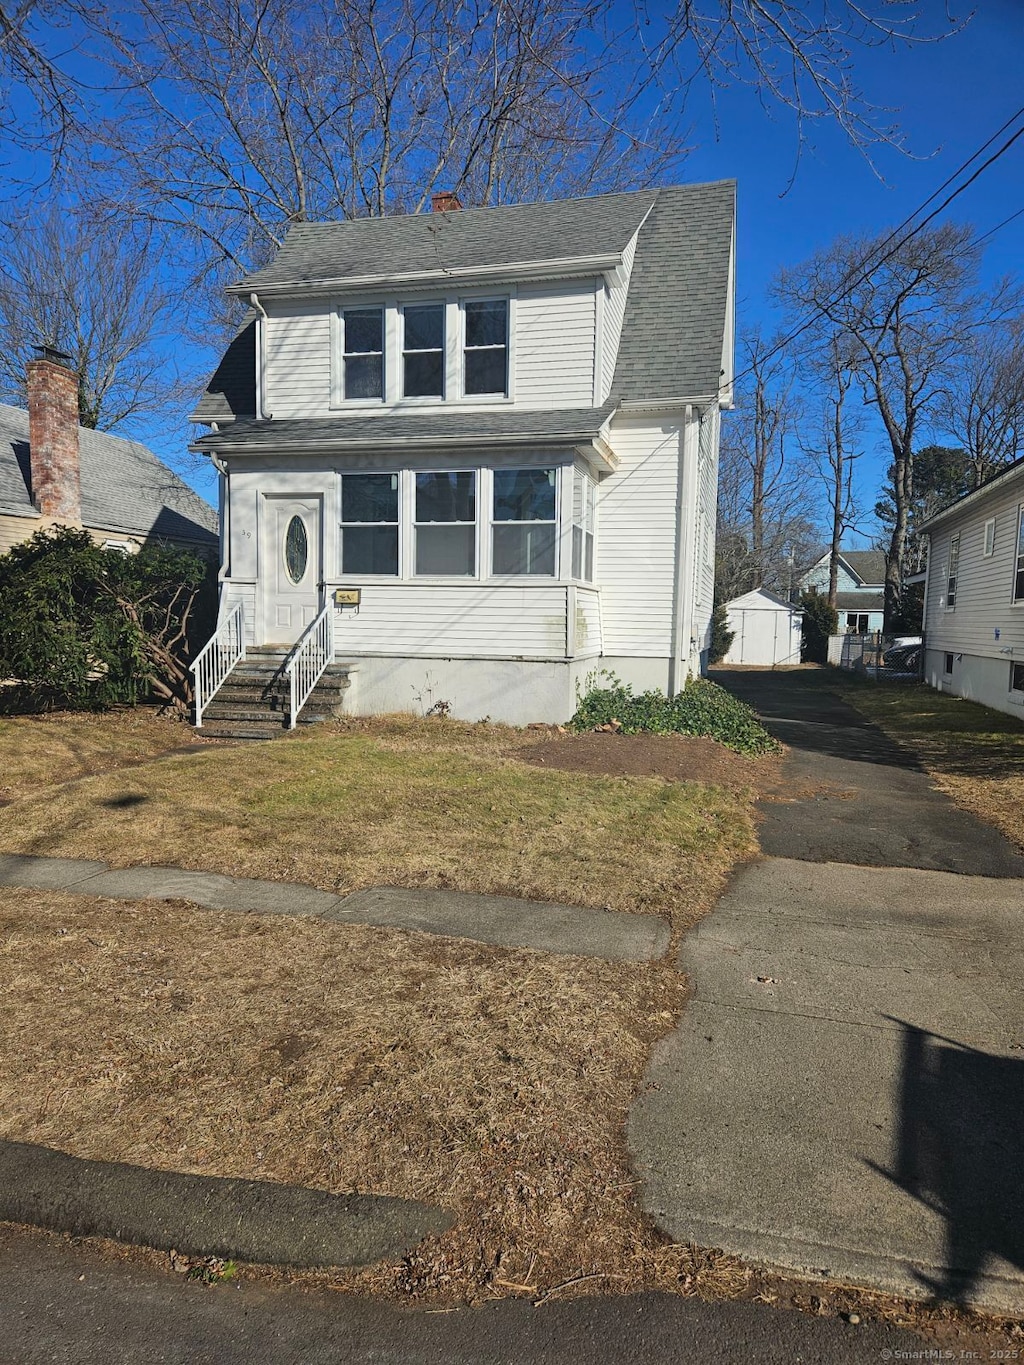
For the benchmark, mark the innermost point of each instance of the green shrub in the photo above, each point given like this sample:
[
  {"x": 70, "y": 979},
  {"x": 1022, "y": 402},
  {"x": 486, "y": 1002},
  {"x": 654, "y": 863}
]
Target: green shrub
[
  {"x": 85, "y": 628},
  {"x": 820, "y": 621},
  {"x": 702, "y": 708}
]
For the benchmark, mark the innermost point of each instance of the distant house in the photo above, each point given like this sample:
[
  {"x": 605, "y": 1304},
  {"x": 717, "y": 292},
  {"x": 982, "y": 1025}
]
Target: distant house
[
  {"x": 860, "y": 599},
  {"x": 55, "y": 473},
  {"x": 472, "y": 456},
  {"x": 766, "y": 629},
  {"x": 974, "y": 595}
]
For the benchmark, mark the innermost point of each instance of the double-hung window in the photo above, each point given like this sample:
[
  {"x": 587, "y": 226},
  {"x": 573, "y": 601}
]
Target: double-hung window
[
  {"x": 423, "y": 350},
  {"x": 953, "y": 571},
  {"x": 1018, "y": 573},
  {"x": 362, "y": 353},
  {"x": 369, "y": 524},
  {"x": 445, "y": 524},
  {"x": 525, "y": 527},
  {"x": 582, "y": 526},
  {"x": 485, "y": 351}
]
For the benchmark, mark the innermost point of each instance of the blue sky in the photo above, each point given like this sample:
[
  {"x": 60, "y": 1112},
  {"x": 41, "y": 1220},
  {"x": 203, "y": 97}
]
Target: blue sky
[{"x": 948, "y": 97}]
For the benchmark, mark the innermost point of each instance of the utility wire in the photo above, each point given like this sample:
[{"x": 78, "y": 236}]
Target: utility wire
[{"x": 863, "y": 269}]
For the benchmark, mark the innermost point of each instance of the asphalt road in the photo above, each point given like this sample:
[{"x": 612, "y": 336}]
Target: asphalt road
[{"x": 65, "y": 1304}]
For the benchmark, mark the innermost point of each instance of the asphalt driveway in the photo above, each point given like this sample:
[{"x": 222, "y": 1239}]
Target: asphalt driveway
[{"x": 843, "y": 1095}]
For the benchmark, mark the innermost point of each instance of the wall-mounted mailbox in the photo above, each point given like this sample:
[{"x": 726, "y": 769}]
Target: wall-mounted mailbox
[{"x": 347, "y": 597}]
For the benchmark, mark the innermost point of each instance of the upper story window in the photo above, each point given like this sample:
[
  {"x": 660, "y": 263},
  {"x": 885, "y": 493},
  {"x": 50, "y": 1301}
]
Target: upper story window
[
  {"x": 369, "y": 524},
  {"x": 362, "y": 353},
  {"x": 525, "y": 526},
  {"x": 989, "y": 538},
  {"x": 445, "y": 523},
  {"x": 954, "y": 571},
  {"x": 485, "y": 352},
  {"x": 423, "y": 350},
  {"x": 1018, "y": 575}
]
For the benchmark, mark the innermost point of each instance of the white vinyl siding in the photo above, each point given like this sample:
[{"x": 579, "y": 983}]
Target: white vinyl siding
[
  {"x": 985, "y": 583},
  {"x": 297, "y": 362},
  {"x": 636, "y": 518},
  {"x": 471, "y": 620},
  {"x": 614, "y": 311},
  {"x": 588, "y": 623},
  {"x": 554, "y": 348}
]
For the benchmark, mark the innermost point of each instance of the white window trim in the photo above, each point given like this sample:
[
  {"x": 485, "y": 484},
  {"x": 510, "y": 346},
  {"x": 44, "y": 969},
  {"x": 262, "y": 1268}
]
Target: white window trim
[
  {"x": 988, "y": 538},
  {"x": 426, "y": 399},
  {"x": 572, "y": 523},
  {"x": 337, "y": 344},
  {"x": 553, "y": 577},
  {"x": 1018, "y": 554},
  {"x": 342, "y": 576},
  {"x": 488, "y": 296},
  {"x": 952, "y": 572}
]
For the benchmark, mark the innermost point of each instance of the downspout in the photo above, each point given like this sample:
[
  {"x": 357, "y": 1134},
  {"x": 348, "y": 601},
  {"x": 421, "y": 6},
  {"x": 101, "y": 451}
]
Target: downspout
[
  {"x": 254, "y": 299},
  {"x": 681, "y": 612}
]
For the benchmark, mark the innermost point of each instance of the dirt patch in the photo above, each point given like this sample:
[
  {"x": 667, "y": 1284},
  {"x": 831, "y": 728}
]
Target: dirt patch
[{"x": 674, "y": 758}]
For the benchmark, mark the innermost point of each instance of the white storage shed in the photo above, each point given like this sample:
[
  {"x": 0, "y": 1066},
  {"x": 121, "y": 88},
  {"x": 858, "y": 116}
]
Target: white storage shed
[{"x": 766, "y": 629}]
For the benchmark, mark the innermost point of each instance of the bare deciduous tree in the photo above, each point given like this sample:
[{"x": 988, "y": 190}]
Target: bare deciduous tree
[
  {"x": 908, "y": 317},
  {"x": 984, "y": 408},
  {"x": 94, "y": 295}
]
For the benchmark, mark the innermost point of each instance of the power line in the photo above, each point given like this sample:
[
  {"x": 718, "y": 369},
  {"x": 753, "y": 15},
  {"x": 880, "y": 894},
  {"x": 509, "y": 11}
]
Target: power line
[{"x": 863, "y": 269}]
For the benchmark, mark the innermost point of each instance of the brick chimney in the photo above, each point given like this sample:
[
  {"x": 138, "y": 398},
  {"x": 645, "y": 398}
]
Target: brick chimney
[
  {"x": 53, "y": 437},
  {"x": 445, "y": 201}
]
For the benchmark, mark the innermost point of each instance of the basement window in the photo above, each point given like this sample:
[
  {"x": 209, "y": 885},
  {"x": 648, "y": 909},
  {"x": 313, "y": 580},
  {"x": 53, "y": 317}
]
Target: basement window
[
  {"x": 1017, "y": 681},
  {"x": 947, "y": 665}
]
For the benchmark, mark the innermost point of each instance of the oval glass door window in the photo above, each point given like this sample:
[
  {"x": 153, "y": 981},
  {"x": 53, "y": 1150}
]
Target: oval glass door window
[{"x": 296, "y": 550}]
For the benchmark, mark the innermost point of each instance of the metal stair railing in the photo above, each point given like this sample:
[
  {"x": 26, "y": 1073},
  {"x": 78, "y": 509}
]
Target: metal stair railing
[
  {"x": 217, "y": 658},
  {"x": 308, "y": 662}
]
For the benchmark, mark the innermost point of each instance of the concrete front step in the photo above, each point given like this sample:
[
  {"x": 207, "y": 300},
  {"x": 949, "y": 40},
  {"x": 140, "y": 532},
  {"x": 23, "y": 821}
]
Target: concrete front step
[{"x": 253, "y": 702}]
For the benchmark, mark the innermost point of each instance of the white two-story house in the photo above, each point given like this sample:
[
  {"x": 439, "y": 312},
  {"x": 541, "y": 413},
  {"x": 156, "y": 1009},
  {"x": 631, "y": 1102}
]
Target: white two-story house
[{"x": 480, "y": 448}]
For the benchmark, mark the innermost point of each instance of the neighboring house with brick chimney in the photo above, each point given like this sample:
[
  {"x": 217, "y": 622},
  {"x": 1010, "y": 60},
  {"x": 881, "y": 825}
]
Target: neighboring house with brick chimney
[
  {"x": 471, "y": 456},
  {"x": 54, "y": 472}
]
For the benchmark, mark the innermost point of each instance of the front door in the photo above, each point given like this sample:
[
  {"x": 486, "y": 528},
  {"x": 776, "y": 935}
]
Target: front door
[{"x": 291, "y": 567}]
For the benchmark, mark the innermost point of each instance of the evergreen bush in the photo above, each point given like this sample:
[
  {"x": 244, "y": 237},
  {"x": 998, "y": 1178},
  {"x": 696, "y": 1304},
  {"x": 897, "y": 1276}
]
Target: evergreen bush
[{"x": 702, "y": 708}]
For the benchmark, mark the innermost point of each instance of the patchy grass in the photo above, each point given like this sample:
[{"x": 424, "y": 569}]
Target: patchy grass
[
  {"x": 494, "y": 1082},
  {"x": 975, "y": 754},
  {"x": 37, "y": 751},
  {"x": 407, "y": 803}
]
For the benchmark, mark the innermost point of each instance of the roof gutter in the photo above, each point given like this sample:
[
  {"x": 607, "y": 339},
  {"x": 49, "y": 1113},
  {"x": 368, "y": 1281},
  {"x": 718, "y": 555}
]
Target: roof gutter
[
  {"x": 210, "y": 445},
  {"x": 560, "y": 268}
]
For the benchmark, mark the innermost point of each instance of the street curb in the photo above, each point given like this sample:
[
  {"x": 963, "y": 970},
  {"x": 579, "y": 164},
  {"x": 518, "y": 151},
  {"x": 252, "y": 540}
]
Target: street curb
[{"x": 245, "y": 1220}]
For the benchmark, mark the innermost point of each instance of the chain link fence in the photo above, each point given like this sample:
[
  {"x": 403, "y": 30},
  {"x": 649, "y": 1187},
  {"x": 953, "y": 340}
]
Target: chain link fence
[{"x": 885, "y": 658}]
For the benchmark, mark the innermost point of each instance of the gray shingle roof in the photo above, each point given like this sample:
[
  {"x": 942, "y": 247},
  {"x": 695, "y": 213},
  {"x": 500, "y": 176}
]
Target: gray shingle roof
[
  {"x": 868, "y": 565},
  {"x": 440, "y": 243},
  {"x": 125, "y": 488},
  {"x": 860, "y": 601},
  {"x": 565, "y": 426},
  {"x": 231, "y": 392},
  {"x": 676, "y": 308}
]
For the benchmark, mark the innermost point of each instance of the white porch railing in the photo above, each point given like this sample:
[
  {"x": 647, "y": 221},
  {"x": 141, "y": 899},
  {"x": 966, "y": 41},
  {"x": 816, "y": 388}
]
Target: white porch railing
[
  {"x": 217, "y": 658},
  {"x": 308, "y": 660}
]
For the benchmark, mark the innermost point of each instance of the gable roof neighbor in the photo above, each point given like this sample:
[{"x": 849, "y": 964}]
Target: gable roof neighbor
[{"x": 125, "y": 488}]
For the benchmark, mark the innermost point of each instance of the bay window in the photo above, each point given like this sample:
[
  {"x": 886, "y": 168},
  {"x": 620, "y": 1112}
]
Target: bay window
[
  {"x": 582, "y": 526},
  {"x": 524, "y": 527},
  {"x": 369, "y": 524},
  {"x": 485, "y": 350},
  {"x": 445, "y": 524}
]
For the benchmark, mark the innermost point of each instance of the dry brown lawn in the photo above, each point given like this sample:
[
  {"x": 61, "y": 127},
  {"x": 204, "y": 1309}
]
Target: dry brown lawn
[
  {"x": 494, "y": 1082},
  {"x": 37, "y": 751},
  {"x": 975, "y": 754},
  {"x": 404, "y": 802}
]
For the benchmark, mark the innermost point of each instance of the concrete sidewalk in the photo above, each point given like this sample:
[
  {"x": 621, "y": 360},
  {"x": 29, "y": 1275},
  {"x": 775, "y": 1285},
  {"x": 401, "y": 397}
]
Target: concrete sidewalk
[
  {"x": 500, "y": 920},
  {"x": 844, "y": 1093}
]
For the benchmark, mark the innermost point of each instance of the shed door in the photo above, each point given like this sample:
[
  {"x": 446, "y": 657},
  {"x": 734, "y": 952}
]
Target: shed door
[{"x": 292, "y": 567}]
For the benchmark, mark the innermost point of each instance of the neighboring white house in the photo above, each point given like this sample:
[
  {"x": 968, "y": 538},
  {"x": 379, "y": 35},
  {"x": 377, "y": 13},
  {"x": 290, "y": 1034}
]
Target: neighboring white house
[
  {"x": 860, "y": 597},
  {"x": 766, "y": 629},
  {"x": 491, "y": 436},
  {"x": 974, "y": 595}
]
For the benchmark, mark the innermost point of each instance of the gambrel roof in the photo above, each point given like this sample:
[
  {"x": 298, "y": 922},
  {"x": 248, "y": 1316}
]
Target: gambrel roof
[
  {"x": 677, "y": 320},
  {"x": 125, "y": 488}
]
